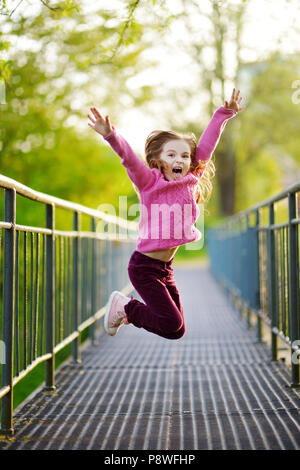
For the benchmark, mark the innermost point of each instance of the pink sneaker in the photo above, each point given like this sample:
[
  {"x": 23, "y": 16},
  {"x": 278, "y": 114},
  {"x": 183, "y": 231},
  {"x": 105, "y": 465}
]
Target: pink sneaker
[{"x": 115, "y": 315}]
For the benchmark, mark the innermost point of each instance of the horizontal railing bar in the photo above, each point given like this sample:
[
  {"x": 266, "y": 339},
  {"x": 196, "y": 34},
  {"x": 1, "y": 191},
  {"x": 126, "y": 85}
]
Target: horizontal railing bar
[
  {"x": 27, "y": 228},
  {"x": 66, "y": 341},
  {"x": 273, "y": 226},
  {"x": 23, "y": 373},
  {"x": 64, "y": 233},
  {"x": 278, "y": 197},
  {"x": 284, "y": 338},
  {"x": 99, "y": 314},
  {"x": 29, "y": 368},
  {"x": 4, "y": 391},
  {"x": 93, "y": 235},
  {"x": 25, "y": 191},
  {"x": 5, "y": 225},
  {"x": 263, "y": 316},
  {"x": 74, "y": 234},
  {"x": 89, "y": 321}
]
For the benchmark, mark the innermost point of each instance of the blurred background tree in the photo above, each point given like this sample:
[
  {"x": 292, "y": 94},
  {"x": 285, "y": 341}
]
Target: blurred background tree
[
  {"x": 57, "y": 63},
  {"x": 268, "y": 141},
  {"x": 62, "y": 61},
  {"x": 212, "y": 37}
]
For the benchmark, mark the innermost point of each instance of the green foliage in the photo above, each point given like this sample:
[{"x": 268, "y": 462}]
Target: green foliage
[
  {"x": 70, "y": 64},
  {"x": 5, "y": 71},
  {"x": 266, "y": 135},
  {"x": 41, "y": 142}
]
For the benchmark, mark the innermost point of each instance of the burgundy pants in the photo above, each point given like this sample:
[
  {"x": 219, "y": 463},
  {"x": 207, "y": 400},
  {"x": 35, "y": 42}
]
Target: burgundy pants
[{"x": 162, "y": 312}]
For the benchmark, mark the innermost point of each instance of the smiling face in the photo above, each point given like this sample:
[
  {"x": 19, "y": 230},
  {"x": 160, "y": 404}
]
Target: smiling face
[{"x": 176, "y": 159}]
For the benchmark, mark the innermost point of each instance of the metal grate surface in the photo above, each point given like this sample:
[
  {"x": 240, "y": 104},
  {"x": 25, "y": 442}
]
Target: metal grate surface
[{"x": 215, "y": 388}]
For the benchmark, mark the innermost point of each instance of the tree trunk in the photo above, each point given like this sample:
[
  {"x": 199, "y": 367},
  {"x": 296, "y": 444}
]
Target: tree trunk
[
  {"x": 226, "y": 161},
  {"x": 225, "y": 175},
  {"x": 225, "y": 164}
]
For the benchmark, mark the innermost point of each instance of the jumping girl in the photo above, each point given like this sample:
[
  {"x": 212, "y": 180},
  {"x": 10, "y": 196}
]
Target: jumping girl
[{"x": 170, "y": 183}]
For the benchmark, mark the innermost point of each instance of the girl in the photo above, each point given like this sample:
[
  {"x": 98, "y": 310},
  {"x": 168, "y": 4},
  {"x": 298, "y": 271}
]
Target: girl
[{"x": 168, "y": 185}]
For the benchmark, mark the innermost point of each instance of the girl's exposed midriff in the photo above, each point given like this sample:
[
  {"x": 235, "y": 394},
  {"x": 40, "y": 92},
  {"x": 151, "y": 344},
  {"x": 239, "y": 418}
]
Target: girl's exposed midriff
[{"x": 162, "y": 255}]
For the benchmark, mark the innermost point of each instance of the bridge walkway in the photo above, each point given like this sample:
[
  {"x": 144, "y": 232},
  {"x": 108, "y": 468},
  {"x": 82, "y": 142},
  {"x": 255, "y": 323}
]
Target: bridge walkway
[{"x": 215, "y": 388}]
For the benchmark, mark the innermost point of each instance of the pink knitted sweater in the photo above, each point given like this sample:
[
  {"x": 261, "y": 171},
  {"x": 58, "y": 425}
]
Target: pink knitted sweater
[{"x": 168, "y": 208}]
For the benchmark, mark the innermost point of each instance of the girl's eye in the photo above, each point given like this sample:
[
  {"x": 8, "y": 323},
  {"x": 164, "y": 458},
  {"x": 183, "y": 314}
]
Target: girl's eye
[{"x": 173, "y": 155}]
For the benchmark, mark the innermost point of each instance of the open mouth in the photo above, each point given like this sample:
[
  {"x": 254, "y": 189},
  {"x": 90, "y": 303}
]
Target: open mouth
[{"x": 177, "y": 170}]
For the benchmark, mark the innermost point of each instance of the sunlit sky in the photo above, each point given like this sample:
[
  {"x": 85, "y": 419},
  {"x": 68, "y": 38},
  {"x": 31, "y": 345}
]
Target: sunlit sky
[{"x": 266, "y": 22}]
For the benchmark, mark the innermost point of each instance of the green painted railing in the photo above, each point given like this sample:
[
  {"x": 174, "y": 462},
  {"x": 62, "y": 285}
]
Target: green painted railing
[
  {"x": 55, "y": 284},
  {"x": 255, "y": 254}
]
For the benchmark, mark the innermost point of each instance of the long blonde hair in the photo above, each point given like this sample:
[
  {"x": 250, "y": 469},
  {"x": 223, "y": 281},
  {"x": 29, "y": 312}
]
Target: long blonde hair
[{"x": 204, "y": 170}]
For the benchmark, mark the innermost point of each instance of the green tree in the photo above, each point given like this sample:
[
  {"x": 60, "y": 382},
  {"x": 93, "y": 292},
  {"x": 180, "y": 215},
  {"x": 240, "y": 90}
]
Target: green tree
[
  {"x": 42, "y": 142},
  {"x": 267, "y": 142},
  {"x": 207, "y": 32}
]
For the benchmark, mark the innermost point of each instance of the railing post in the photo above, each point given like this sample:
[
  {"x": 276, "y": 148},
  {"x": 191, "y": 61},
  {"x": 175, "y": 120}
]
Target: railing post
[
  {"x": 93, "y": 283},
  {"x": 8, "y": 311},
  {"x": 248, "y": 284},
  {"x": 76, "y": 290},
  {"x": 50, "y": 296},
  {"x": 271, "y": 283},
  {"x": 114, "y": 267},
  {"x": 293, "y": 287},
  {"x": 259, "y": 320},
  {"x": 108, "y": 268}
]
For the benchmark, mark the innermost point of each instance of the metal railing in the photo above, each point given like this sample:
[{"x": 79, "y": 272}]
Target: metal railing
[
  {"x": 55, "y": 285},
  {"x": 256, "y": 258}
]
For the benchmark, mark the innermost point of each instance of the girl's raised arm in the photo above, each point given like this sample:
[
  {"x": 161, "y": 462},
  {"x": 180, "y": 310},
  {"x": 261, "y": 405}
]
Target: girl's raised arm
[
  {"x": 211, "y": 136},
  {"x": 139, "y": 173}
]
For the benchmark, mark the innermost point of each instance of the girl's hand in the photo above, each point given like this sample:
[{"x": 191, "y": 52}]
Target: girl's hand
[
  {"x": 234, "y": 102},
  {"x": 99, "y": 124}
]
